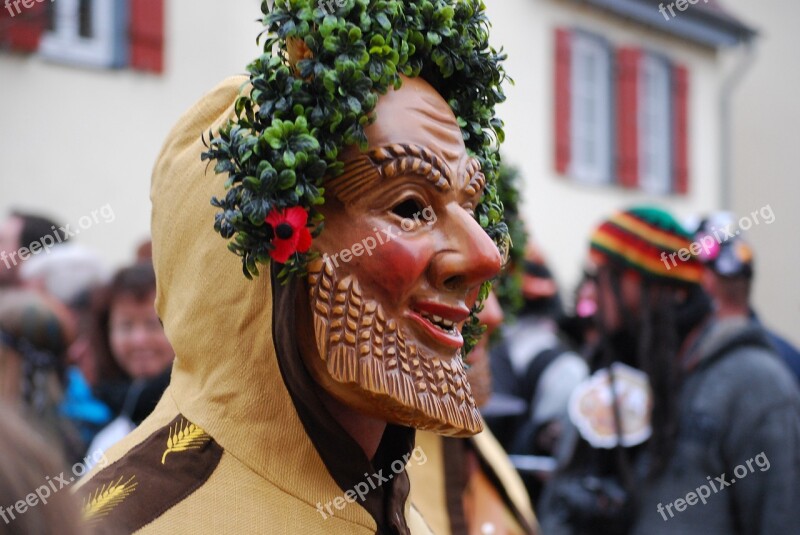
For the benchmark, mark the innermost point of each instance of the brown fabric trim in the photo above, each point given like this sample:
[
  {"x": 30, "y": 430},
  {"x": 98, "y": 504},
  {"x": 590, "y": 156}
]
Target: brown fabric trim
[
  {"x": 150, "y": 479},
  {"x": 341, "y": 454},
  {"x": 492, "y": 476},
  {"x": 456, "y": 477}
]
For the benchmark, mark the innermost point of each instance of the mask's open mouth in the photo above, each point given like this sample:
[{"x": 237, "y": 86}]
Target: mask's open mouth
[
  {"x": 445, "y": 325},
  {"x": 441, "y": 323}
]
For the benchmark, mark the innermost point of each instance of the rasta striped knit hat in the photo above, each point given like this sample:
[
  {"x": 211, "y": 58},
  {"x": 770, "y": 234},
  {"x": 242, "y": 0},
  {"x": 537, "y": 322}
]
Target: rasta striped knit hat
[{"x": 650, "y": 241}]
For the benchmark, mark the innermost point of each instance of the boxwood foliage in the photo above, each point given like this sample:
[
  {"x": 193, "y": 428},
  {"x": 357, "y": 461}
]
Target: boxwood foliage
[
  {"x": 294, "y": 117},
  {"x": 509, "y": 284}
]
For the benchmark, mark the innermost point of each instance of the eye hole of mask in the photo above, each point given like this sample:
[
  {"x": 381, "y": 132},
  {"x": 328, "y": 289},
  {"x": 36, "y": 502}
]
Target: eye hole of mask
[{"x": 408, "y": 208}]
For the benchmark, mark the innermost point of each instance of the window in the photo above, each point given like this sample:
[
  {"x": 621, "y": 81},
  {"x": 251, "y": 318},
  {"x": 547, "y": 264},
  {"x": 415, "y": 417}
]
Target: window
[
  {"x": 583, "y": 106},
  {"x": 654, "y": 125},
  {"x": 85, "y": 19},
  {"x": 95, "y": 33},
  {"x": 652, "y": 122},
  {"x": 591, "y": 118},
  {"x": 87, "y": 32},
  {"x": 621, "y": 116},
  {"x": 50, "y": 16}
]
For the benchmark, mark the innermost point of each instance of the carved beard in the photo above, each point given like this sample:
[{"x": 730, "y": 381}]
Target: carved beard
[{"x": 362, "y": 347}]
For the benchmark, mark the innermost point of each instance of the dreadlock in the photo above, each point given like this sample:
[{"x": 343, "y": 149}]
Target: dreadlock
[
  {"x": 657, "y": 357},
  {"x": 655, "y": 333}
]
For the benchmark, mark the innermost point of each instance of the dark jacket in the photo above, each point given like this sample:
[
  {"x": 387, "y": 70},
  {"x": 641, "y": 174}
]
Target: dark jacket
[{"x": 739, "y": 423}]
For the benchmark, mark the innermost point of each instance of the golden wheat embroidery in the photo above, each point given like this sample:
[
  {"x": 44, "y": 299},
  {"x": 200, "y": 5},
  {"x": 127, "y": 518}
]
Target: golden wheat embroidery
[
  {"x": 107, "y": 497},
  {"x": 184, "y": 436}
]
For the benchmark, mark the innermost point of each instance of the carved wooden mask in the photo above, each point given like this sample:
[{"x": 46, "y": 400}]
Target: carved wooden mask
[{"x": 402, "y": 263}]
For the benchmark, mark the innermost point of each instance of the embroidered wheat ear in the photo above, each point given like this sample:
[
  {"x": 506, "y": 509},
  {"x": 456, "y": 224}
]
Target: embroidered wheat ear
[
  {"x": 106, "y": 498},
  {"x": 184, "y": 436}
]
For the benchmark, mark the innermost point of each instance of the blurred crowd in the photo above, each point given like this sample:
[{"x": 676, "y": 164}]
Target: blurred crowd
[
  {"x": 656, "y": 382},
  {"x": 83, "y": 355},
  {"x": 613, "y": 403}
]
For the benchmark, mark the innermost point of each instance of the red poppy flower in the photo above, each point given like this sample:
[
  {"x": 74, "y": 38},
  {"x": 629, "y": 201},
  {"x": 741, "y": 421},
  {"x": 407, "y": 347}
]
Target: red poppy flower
[{"x": 290, "y": 234}]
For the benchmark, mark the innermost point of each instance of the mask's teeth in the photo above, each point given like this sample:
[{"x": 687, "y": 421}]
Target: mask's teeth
[{"x": 444, "y": 324}]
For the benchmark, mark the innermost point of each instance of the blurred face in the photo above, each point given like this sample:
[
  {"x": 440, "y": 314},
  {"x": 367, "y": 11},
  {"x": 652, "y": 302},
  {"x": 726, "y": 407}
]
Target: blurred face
[
  {"x": 479, "y": 374},
  {"x": 138, "y": 342},
  {"x": 610, "y": 309},
  {"x": 710, "y": 283},
  {"x": 586, "y": 301},
  {"x": 10, "y": 232},
  {"x": 81, "y": 352},
  {"x": 403, "y": 261}
]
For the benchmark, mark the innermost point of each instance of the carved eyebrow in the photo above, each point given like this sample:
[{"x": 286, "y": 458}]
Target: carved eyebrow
[
  {"x": 402, "y": 159},
  {"x": 397, "y": 160},
  {"x": 476, "y": 180}
]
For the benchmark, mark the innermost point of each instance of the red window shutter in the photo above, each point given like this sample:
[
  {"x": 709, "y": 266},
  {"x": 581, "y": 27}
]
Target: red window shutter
[
  {"x": 680, "y": 127},
  {"x": 563, "y": 99},
  {"x": 23, "y": 31},
  {"x": 147, "y": 35},
  {"x": 628, "y": 61}
]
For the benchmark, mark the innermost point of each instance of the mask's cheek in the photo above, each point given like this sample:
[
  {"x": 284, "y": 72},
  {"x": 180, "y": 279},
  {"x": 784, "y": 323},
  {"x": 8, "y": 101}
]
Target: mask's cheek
[{"x": 397, "y": 268}]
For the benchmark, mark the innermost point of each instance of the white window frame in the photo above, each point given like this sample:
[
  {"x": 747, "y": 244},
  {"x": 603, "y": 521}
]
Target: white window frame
[
  {"x": 655, "y": 125},
  {"x": 105, "y": 49},
  {"x": 591, "y": 126}
]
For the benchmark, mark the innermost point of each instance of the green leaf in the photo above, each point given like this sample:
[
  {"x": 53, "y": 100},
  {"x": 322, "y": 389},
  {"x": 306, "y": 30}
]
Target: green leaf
[
  {"x": 383, "y": 21},
  {"x": 287, "y": 179}
]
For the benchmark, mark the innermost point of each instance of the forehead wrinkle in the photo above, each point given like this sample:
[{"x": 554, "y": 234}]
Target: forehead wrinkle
[
  {"x": 442, "y": 125},
  {"x": 434, "y": 116}
]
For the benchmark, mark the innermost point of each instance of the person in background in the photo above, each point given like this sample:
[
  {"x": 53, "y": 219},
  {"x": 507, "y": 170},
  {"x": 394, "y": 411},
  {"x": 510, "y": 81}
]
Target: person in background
[
  {"x": 677, "y": 398},
  {"x": 580, "y": 327},
  {"x": 70, "y": 273},
  {"x": 728, "y": 279},
  {"x": 27, "y": 463},
  {"x": 35, "y": 333},
  {"x": 534, "y": 364},
  {"x": 469, "y": 485},
  {"x": 134, "y": 355},
  {"x": 23, "y": 236}
]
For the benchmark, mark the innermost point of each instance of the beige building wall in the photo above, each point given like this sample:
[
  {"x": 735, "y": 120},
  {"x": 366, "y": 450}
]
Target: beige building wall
[
  {"x": 561, "y": 213},
  {"x": 766, "y": 115},
  {"x": 73, "y": 140}
]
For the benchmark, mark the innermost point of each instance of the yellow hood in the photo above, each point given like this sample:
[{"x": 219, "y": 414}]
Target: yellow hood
[
  {"x": 240, "y": 441},
  {"x": 226, "y": 377}
]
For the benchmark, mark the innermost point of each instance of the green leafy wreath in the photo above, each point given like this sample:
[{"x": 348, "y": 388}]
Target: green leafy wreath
[
  {"x": 508, "y": 287},
  {"x": 297, "y": 115}
]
